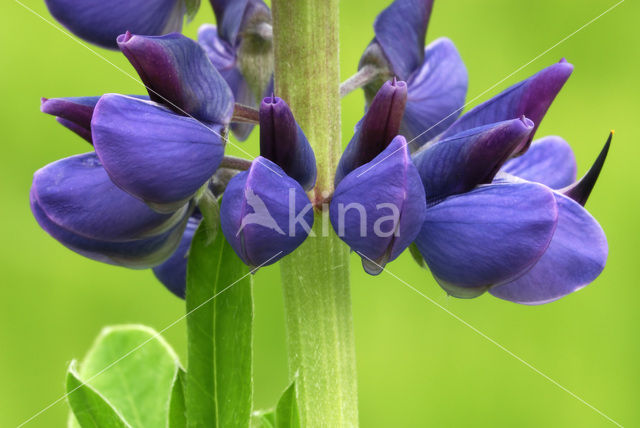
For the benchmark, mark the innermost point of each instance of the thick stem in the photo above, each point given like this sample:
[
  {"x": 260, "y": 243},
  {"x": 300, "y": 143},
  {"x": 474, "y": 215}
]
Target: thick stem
[{"x": 315, "y": 277}]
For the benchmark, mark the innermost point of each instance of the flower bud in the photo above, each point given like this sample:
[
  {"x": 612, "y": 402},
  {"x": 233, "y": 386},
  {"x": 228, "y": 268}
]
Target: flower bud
[
  {"x": 283, "y": 142},
  {"x": 377, "y": 128},
  {"x": 378, "y": 208}
]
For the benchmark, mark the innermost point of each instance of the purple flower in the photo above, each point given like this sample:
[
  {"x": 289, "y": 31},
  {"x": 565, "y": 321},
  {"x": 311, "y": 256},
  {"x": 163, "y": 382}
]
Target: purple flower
[
  {"x": 436, "y": 76},
  {"x": 100, "y": 22},
  {"x": 379, "y": 207},
  {"x": 129, "y": 202},
  {"x": 162, "y": 153},
  {"x": 526, "y": 239},
  {"x": 265, "y": 214},
  {"x": 240, "y": 48}
]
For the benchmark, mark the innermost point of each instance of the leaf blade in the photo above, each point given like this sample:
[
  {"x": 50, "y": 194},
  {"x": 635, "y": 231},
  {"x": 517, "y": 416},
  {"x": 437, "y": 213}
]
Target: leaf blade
[
  {"x": 90, "y": 409},
  {"x": 133, "y": 368},
  {"x": 220, "y": 306}
]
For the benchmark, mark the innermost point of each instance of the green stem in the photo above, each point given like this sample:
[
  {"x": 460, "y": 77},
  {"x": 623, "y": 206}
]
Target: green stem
[{"x": 315, "y": 278}]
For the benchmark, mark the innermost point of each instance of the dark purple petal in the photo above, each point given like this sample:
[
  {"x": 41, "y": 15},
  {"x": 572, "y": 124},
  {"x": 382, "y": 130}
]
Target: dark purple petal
[
  {"x": 283, "y": 142},
  {"x": 74, "y": 113},
  {"x": 487, "y": 236},
  {"x": 152, "y": 153},
  {"x": 100, "y": 22},
  {"x": 233, "y": 16},
  {"x": 461, "y": 162},
  {"x": 223, "y": 57},
  {"x": 265, "y": 214},
  {"x": 177, "y": 73},
  {"x": 76, "y": 194},
  {"x": 400, "y": 30},
  {"x": 580, "y": 190},
  {"x": 377, "y": 128},
  {"x": 378, "y": 209},
  {"x": 437, "y": 91},
  {"x": 136, "y": 254},
  {"x": 549, "y": 161},
  {"x": 173, "y": 272},
  {"x": 576, "y": 256},
  {"x": 531, "y": 98}
]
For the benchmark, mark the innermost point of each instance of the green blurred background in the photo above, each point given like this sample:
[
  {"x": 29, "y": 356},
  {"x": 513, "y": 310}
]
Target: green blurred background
[{"x": 417, "y": 366}]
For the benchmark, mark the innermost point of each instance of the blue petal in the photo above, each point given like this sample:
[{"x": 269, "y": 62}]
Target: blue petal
[
  {"x": 224, "y": 59},
  {"x": 549, "y": 161},
  {"x": 152, "y": 153},
  {"x": 459, "y": 163},
  {"x": 436, "y": 93},
  {"x": 376, "y": 129},
  {"x": 488, "y": 236},
  {"x": 283, "y": 142},
  {"x": 531, "y": 98},
  {"x": 400, "y": 30},
  {"x": 265, "y": 214},
  {"x": 233, "y": 15},
  {"x": 76, "y": 194},
  {"x": 173, "y": 272},
  {"x": 378, "y": 209},
  {"x": 100, "y": 22},
  {"x": 576, "y": 256},
  {"x": 177, "y": 73},
  {"x": 136, "y": 254}
]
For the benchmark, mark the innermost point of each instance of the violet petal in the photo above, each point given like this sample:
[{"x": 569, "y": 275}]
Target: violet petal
[{"x": 576, "y": 256}]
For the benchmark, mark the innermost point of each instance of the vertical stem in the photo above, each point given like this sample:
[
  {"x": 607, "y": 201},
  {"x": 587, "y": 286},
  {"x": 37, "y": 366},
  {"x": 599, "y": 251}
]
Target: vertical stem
[{"x": 315, "y": 277}]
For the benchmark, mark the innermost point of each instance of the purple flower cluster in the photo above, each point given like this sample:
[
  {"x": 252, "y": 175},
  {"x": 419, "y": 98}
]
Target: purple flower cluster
[{"x": 474, "y": 197}]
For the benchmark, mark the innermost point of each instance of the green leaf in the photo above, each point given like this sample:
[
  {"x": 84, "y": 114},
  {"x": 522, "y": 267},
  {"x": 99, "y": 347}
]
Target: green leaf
[
  {"x": 133, "y": 368},
  {"x": 287, "y": 413},
  {"x": 89, "y": 407},
  {"x": 192, "y": 7},
  {"x": 177, "y": 409},
  {"x": 219, "y": 325}
]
